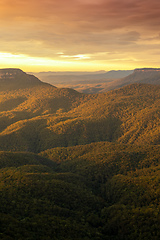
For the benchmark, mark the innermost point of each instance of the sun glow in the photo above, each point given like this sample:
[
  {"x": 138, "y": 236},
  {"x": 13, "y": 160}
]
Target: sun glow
[
  {"x": 28, "y": 63},
  {"x": 68, "y": 63}
]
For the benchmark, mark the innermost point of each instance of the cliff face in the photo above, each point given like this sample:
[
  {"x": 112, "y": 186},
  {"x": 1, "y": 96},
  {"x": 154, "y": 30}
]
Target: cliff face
[
  {"x": 12, "y": 78},
  {"x": 10, "y": 73},
  {"x": 147, "y": 70},
  {"x": 142, "y": 75},
  {"x": 145, "y": 75}
]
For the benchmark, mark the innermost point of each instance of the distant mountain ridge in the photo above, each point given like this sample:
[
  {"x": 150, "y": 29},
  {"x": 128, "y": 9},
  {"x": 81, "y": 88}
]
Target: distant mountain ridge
[
  {"x": 147, "y": 69},
  {"x": 98, "y": 74},
  {"x": 102, "y": 81},
  {"x": 142, "y": 75},
  {"x": 81, "y": 77},
  {"x": 85, "y": 82}
]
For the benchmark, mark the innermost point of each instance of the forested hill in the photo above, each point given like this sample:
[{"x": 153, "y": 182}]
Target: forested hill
[
  {"x": 100, "y": 191},
  {"x": 42, "y": 117}
]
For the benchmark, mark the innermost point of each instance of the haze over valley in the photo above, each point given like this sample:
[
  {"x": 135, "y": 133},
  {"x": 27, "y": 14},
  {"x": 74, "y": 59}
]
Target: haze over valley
[{"x": 96, "y": 82}]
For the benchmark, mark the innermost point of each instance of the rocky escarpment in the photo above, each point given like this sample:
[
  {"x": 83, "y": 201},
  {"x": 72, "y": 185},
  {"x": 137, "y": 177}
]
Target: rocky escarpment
[
  {"x": 11, "y": 78},
  {"x": 147, "y": 70},
  {"x": 144, "y": 75}
]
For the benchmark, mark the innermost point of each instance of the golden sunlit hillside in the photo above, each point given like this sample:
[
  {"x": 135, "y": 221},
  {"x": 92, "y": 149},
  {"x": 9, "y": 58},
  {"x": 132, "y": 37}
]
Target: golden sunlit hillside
[{"x": 42, "y": 117}]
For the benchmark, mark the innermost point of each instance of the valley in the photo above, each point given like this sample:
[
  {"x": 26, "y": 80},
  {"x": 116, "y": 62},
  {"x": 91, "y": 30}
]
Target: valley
[
  {"x": 102, "y": 81},
  {"x": 76, "y": 165}
]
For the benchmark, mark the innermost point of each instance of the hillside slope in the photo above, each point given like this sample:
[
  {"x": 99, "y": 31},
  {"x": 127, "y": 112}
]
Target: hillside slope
[
  {"x": 39, "y": 203},
  {"x": 100, "y": 191},
  {"x": 43, "y": 117}
]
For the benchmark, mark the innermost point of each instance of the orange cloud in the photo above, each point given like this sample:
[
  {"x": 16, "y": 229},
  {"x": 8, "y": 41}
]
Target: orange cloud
[{"x": 81, "y": 28}]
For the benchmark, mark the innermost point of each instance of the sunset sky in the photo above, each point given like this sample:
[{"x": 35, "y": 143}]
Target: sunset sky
[{"x": 79, "y": 35}]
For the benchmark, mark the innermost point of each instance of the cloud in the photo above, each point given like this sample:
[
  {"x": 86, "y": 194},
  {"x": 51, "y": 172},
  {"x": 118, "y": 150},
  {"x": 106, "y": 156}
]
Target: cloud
[
  {"x": 93, "y": 14},
  {"x": 81, "y": 29},
  {"x": 77, "y": 57}
]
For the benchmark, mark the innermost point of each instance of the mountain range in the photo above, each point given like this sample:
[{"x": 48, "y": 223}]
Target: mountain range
[
  {"x": 102, "y": 81},
  {"x": 86, "y": 82},
  {"x": 79, "y": 166}
]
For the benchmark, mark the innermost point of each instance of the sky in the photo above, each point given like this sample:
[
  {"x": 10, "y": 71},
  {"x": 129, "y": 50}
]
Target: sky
[{"x": 79, "y": 35}]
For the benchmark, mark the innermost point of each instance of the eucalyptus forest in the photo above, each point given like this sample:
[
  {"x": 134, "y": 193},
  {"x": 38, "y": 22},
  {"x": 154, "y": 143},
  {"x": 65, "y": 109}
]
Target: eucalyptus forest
[{"x": 78, "y": 166}]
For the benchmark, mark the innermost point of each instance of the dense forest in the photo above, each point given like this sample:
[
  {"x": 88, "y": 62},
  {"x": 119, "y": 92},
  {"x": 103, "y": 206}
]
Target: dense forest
[
  {"x": 97, "y": 191},
  {"x": 78, "y": 166},
  {"x": 41, "y": 117}
]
